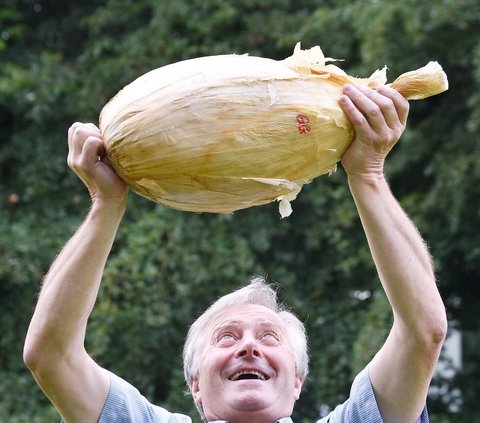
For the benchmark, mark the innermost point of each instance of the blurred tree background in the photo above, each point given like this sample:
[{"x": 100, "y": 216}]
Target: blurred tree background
[{"x": 60, "y": 61}]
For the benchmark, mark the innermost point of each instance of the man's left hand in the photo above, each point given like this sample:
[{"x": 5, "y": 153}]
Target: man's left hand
[{"x": 379, "y": 118}]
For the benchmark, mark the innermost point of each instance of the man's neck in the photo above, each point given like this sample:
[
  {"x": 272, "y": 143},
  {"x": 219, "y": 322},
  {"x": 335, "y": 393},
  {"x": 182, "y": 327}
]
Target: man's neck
[{"x": 283, "y": 420}]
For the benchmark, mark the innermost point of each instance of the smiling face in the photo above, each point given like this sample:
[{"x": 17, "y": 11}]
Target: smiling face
[{"x": 247, "y": 370}]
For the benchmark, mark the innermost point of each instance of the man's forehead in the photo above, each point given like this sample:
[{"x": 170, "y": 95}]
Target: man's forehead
[{"x": 246, "y": 313}]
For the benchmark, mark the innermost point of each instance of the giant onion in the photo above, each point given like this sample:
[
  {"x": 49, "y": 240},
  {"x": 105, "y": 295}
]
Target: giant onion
[{"x": 223, "y": 133}]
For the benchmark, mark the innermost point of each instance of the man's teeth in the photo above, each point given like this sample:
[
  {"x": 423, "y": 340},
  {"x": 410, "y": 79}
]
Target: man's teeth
[{"x": 248, "y": 374}]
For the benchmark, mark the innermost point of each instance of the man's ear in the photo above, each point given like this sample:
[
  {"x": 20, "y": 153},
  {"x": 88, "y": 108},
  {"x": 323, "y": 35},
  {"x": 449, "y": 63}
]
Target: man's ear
[
  {"x": 297, "y": 388},
  {"x": 195, "y": 390}
]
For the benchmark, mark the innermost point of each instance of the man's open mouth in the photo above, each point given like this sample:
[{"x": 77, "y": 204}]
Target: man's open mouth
[{"x": 248, "y": 374}]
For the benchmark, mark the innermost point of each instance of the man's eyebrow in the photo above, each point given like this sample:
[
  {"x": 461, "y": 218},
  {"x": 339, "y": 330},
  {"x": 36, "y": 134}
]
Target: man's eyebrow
[
  {"x": 271, "y": 325},
  {"x": 261, "y": 324},
  {"x": 231, "y": 324}
]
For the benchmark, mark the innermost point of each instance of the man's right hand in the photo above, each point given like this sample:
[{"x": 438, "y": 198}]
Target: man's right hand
[{"x": 86, "y": 157}]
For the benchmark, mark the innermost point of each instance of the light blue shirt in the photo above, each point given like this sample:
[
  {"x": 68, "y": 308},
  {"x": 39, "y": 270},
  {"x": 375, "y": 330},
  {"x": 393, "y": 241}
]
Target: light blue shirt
[
  {"x": 361, "y": 406},
  {"x": 125, "y": 404}
]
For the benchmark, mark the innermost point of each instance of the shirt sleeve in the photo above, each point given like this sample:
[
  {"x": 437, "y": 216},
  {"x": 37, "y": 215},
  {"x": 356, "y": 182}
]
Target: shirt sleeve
[
  {"x": 361, "y": 406},
  {"x": 125, "y": 404}
]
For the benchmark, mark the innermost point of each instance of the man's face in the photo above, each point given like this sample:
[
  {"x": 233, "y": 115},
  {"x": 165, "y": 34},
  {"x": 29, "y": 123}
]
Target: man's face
[{"x": 247, "y": 371}]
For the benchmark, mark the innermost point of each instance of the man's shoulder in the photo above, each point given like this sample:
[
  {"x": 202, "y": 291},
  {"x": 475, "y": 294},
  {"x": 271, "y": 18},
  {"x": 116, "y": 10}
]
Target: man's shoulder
[
  {"x": 125, "y": 404},
  {"x": 360, "y": 407}
]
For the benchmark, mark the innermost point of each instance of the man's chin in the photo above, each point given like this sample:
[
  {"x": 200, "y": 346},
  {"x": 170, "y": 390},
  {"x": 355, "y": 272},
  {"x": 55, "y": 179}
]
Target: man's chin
[
  {"x": 249, "y": 397},
  {"x": 250, "y": 394},
  {"x": 251, "y": 410},
  {"x": 249, "y": 403}
]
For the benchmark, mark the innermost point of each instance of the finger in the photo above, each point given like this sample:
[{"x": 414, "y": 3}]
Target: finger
[
  {"x": 356, "y": 117},
  {"x": 361, "y": 98},
  {"x": 379, "y": 110},
  {"x": 384, "y": 105},
  {"x": 71, "y": 131},
  {"x": 93, "y": 149},
  {"x": 78, "y": 133},
  {"x": 77, "y": 125},
  {"x": 400, "y": 102}
]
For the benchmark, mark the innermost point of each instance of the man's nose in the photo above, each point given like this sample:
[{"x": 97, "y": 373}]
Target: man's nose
[{"x": 249, "y": 348}]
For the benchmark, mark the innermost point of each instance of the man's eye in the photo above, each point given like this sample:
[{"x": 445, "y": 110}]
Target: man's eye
[
  {"x": 270, "y": 336},
  {"x": 225, "y": 337}
]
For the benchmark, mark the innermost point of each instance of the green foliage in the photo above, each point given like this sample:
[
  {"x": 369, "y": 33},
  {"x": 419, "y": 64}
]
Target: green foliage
[
  {"x": 61, "y": 61},
  {"x": 374, "y": 331}
]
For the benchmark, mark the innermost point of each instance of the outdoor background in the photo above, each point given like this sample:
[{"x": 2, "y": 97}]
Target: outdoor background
[{"x": 61, "y": 61}]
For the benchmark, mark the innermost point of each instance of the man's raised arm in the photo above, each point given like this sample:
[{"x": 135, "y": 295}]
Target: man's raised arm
[
  {"x": 401, "y": 371},
  {"x": 54, "y": 347}
]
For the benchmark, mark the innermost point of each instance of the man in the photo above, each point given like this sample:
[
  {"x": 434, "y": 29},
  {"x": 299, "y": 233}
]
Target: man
[{"x": 245, "y": 359}]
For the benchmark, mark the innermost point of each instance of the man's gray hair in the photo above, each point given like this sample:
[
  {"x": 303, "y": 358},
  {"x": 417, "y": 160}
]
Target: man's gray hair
[{"x": 256, "y": 292}]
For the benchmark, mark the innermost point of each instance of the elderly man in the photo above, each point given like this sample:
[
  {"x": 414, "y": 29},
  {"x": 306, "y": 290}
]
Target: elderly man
[{"x": 245, "y": 359}]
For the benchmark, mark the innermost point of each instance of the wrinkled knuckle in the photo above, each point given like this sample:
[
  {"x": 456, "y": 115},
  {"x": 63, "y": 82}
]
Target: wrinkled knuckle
[
  {"x": 92, "y": 139},
  {"x": 392, "y": 136},
  {"x": 79, "y": 131},
  {"x": 359, "y": 120},
  {"x": 383, "y": 137},
  {"x": 388, "y": 103},
  {"x": 375, "y": 111},
  {"x": 73, "y": 163},
  {"x": 74, "y": 125}
]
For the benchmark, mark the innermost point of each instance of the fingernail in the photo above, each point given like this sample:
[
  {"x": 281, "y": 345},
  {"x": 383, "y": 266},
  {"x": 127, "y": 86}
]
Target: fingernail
[{"x": 348, "y": 88}]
